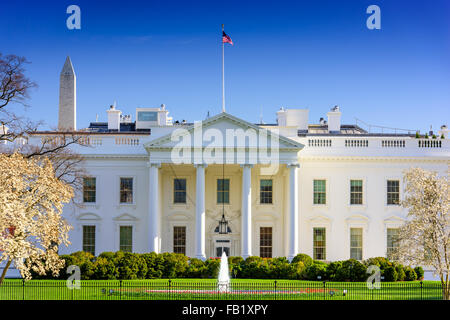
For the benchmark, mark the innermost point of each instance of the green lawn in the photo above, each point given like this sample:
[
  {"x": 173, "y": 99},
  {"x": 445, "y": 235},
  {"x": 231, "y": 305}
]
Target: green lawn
[{"x": 206, "y": 289}]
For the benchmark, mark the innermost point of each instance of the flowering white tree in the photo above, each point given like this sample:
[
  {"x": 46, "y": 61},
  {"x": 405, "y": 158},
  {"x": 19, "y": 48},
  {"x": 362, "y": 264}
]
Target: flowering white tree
[
  {"x": 425, "y": 238},
  {"x": 31, "y": 225}
]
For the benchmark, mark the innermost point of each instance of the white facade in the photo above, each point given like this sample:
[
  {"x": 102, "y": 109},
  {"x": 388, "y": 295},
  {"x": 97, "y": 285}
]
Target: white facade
[
  {"x": 336, "y": 158},
  {"x": 156, "y": 185}
]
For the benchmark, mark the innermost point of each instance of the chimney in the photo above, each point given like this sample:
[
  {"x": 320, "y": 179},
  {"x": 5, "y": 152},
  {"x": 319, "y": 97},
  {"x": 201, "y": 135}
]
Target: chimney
[
  {"x": 334, "y": 120},
  {"x": 443, "y": 131},
  {"x": 67, "y": 98},
  {"x": 113, "y": 118},
  {"x": 281, "y": 117}
]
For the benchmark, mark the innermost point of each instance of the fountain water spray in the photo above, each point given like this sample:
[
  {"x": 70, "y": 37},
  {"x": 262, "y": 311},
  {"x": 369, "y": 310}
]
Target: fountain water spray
[{"x": 223, "y": 281}]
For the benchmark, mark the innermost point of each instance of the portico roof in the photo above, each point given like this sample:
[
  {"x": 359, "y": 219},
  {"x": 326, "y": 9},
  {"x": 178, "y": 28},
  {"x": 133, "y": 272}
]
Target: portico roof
[{"x": 221, "y": 122}]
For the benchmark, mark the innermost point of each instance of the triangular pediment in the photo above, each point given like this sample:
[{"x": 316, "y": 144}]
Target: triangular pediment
[
  {"x": 357, "y": 218},
  {"x": 219, "y": 124}
]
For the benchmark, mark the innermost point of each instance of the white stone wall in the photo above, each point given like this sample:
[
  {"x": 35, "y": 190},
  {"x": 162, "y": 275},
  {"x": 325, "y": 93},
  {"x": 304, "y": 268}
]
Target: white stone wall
[{"x": 337, "y": 215}]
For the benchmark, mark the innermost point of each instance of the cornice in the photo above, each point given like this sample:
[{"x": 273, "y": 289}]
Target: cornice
[
  {"x": 116, "y": 156},
  {"x": 375, "y": 158}
]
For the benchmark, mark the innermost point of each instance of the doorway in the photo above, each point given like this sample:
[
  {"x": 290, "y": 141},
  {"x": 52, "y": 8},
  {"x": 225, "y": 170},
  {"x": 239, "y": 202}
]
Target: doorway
[{"x": 222, "y": 245}]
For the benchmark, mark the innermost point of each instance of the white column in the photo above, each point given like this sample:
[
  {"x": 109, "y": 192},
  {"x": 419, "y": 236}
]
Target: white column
[
  {"x": 153, "y": 207},
  {"x": 293, "y": 211},
  {"x": 200, "y": 231},
  {"x": 246, "y": 232}
]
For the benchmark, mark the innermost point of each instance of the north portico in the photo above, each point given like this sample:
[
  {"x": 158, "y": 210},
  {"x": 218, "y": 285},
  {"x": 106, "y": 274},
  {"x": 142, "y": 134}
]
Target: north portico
[{"x": 224, "y": 150}]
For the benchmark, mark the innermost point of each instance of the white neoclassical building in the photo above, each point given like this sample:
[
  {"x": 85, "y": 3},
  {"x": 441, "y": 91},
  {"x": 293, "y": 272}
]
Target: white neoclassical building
[{"x": 328, "y": 189}]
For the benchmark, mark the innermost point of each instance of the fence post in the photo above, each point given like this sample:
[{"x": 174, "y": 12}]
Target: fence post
[
  {"x": 120, "y": 290},
  {"x": 373, "y": 289},
  {"x": 324, "y": 291},
  {"x": 421, "y": 290},
  {"x": 275, "y": 283},
  {"x": 23, "y": 289},
  {"x": 170, "y": 286}
]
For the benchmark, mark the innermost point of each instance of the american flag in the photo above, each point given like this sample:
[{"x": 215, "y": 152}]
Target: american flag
[{"x": 226, "y": 38}]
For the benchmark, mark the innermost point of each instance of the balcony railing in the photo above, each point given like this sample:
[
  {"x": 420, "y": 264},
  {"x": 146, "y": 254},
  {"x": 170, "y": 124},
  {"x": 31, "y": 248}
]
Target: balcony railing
[{"x": 430, "y": 143}]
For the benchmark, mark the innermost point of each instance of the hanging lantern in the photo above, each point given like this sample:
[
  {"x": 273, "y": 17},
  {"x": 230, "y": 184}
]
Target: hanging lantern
[{"x": 223, "y": 225}]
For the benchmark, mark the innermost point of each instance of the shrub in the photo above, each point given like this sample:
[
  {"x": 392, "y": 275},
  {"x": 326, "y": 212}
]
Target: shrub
[
  {"x": 419, "y": 272},
  {"x": 400, "y": 272},
  {"x": 107, "y": 255},
  {"x": 155, "y": 265},
  {"x": 196, "y": 268},
  {"x": 332, "y": 270},
  {"x": 175, "y": 265},
  {"x": 104, "y": 269},
  {"x": 234, "y": 264},
  {"x": 278, "y": 268},
  {"x": 130, "y": 265},
  {"x": 410, "y": 274},
  {"x": 296, "y": 270},
  {"x": 381, "y": 262},
  {"x": 390, "y": 274},
  {"x": 253, "y": 267},
  {"x": 85, "y": 261},
  {"x": 351, "y": 270},
  {"x": 307, "y": 260},
  {"x": 315, "y": 270},
  {"x": 211, "y": 268}
]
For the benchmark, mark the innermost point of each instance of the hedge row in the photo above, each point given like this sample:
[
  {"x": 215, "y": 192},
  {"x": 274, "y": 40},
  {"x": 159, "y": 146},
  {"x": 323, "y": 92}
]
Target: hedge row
[{"x": 123, "y": 265}]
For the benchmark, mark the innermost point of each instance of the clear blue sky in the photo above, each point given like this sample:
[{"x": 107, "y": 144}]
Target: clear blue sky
[{"x": 296, "y": 54}]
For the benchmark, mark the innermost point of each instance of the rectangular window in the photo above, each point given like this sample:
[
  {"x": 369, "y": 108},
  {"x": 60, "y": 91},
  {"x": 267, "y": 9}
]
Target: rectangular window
[
  {"x": 147, "y": 116},
  {"x": 223, "y": 190},
  {"x": 393, "y": 192},
  {"x": 126, "y": 190},
  {"x": 319, "y": 243},
  {"x": 179, "y": 190},
  {"x": 356, "y": 243},
  {"x": 126, "y": 238},
  {"x": 266, "y": 191},
  {"x": 265, "y": 242},
  {"x": 392, "y": 235},
  {"x": 89, "y": 239},
  {"x": 89, "y": 186},
  {"x": 319, "y": 191},
  {"x": 179, "y": 240},
  {"x": 356, "y": 192}
]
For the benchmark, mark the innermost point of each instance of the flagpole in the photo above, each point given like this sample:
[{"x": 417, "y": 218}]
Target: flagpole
[{"x": 223, "y": 72}]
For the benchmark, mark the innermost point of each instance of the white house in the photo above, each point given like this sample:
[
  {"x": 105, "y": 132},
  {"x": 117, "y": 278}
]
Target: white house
[{"x": 329, "y": 190}]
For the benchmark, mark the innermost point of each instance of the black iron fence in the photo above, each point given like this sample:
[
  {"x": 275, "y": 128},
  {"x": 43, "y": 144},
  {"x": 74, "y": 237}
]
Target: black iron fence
[{"x": 209, "y": 290}]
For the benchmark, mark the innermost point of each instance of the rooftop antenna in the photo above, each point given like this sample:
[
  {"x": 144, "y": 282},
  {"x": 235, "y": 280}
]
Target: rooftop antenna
[
  {"x": 96, "y": 117},
  {"x": 207, "y": 115}
]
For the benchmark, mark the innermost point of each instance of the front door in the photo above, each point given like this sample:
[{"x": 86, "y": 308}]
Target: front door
[{"x": 222, "y": 245}]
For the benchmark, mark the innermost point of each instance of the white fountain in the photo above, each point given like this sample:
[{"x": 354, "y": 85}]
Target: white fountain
[{"x": 223, "y": 281}]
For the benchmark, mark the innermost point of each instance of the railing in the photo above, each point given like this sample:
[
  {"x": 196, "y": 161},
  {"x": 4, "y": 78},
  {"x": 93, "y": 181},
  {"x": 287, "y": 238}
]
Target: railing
[
  {"x": 91, "y": 141},
  {"x": 127, "y": 141},
  {"x": 393, "y": 143},
  {"x": 430, "y": 143},
  {"x": 319, "y": 143},
  {"x": 357, "y": 143},
  {"x": 163, "y": 289}
]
